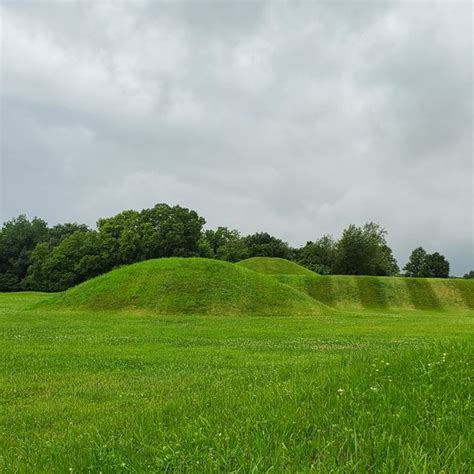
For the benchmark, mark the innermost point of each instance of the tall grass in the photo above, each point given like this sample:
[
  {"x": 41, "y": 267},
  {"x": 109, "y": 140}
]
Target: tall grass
[{"x": 367, "y": 391}]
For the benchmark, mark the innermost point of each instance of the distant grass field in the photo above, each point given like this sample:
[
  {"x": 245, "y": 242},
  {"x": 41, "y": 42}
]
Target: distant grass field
[
  {"x": 195, "y": 365},
  {"x": 133, "y": 391}
]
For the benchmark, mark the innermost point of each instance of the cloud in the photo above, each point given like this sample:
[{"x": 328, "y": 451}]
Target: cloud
[{"x": 298, "y": 118}]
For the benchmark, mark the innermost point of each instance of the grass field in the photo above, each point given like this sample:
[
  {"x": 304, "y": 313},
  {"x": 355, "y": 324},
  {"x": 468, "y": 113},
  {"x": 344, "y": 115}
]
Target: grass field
[{"x": 354, "y": 390}]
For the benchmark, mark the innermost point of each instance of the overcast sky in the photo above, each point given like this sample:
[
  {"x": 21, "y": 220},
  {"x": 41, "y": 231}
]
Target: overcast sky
[{"x": 297, "y": 118}]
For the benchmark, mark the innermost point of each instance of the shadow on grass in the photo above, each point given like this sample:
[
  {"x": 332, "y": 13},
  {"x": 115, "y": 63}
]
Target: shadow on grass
[
  {"x": 322, "y": 289},
  {"x": 372, "y": 292},
  {"x": 421, "y": 293},
  {"x": 466, "y": 291}
]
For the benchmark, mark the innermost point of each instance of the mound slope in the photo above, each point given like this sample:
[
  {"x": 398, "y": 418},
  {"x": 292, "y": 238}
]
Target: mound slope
[
  {"x": 371, "y": 292},
  {"x": 275, "y": 266},
  {"x": 188, "y": 286}
]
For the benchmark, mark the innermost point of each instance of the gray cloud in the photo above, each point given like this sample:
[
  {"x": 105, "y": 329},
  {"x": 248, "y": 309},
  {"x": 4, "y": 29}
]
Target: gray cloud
[{"x": 293, "y": 117}]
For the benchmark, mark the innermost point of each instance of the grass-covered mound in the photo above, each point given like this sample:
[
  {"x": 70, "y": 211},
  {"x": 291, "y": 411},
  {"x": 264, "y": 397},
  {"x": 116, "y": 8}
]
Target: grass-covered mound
[
  {"x": 371, "y": 292},
  {"x": 188, "y": 286},
  {"x": 275, "y": 266}
]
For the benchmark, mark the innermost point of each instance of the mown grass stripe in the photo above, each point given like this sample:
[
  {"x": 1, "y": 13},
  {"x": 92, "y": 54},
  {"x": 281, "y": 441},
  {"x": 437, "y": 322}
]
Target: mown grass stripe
[
  {"x": 465, "y": 290},
  {"x": 421, "y": 293},
  {"x": 372, "y": 293}
]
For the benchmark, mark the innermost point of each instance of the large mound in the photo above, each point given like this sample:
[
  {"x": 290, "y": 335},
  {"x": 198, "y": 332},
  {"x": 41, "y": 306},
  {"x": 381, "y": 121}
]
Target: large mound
[
  {"x": 275, "y": 266},
  {"x": 188, "y": 286},
  {"x": 357, "y": 292}
]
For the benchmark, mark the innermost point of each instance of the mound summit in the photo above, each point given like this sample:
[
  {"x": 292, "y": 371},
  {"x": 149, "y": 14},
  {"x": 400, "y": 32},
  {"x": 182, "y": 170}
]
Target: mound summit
[
  {"x": 189, "y": 286},
  {"x": 275, "y": 266}
]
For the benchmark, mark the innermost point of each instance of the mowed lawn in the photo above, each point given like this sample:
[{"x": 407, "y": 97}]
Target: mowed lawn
[{"x": 109, "y": 392}]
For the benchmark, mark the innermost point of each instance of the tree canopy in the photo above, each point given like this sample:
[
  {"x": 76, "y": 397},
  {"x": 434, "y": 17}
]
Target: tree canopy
[
  {"x": 422, "y": 264},
  {"x": 364, "y": 251},
  {"x": 34, "y": 256}
]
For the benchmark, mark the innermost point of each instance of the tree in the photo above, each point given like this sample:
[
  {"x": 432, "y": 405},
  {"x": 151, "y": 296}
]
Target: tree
[
  {"x": 219, "y": 237},
  {"x": 225, "y": 244},
  {"x": 438, "y": 266},
  {"x": 416, "y": 266},
  {"x": 469, "y": 275},
  {"x": 77, "y": 258},
  {"x": 364, "y": 251},
  {"x": 262, "y": 244},
  {"x": 18, "y": 238},
  {"x": 161, "y": 231},
  {"x": 122, "y": 231},
  {"x": 61, "y": 231},
  {"x": 233, "y": 250},
  {"x": 174, "y": 231},
  {"x": 422, "y": 264},
  {"x": 319, "y": 255}
]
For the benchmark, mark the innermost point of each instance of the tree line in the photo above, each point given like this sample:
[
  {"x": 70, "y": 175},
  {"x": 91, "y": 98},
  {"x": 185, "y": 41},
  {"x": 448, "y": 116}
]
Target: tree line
[{"x": 34, "y": 256}]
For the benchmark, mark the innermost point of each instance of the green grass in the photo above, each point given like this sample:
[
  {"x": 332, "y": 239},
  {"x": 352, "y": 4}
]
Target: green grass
[
  {"x": 188, "y": 286},
  {"x": 274, "y": 265},
  {"x": 370, "y": 292},
  {"x": 194, "y": 365},
  {"x": 127, "y": 391},
  {"x": 258, "y": 286}
]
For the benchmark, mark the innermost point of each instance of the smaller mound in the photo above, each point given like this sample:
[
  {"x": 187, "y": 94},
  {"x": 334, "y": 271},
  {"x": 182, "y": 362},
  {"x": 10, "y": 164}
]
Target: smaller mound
[
  {"x": 275, "y": 266},
  {"x": 188, "y": 286},
  {"x": 373, "y": 292}
]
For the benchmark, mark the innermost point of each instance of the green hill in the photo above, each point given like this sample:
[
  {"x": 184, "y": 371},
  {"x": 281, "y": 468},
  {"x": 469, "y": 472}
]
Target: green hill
[
  {"x": 275, "y": 266},
  {"x": 188, "y": 286},
  {"x": 371, "y": 292}
]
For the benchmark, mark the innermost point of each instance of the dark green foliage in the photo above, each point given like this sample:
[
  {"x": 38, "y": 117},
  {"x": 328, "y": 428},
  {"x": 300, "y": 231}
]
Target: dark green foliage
[
  {"x": 81, "y": 256},
  {"x": 172, "y": 231},
  {"x": 364, "y": 251},
  {"x": 438, "y": 266},
  {"x": 162, "y": 231},
  {"x": 8, "y": 282},
  {"x": 416, "y": 266},
  {"x": 74, "y": 254},
  {"x": 226, "y": 244},
  {"x": 234, "y": 250},
  {"x": 318, "y": 256},
  {"x": 35, "y": 257},
  {"x": 422, "y": 264},
  {"x": 263, "y": 244},
  {"x": 18, "y": 238},
  {"x": 469, "y": 276},
  {"x": 59, "y": 232},
  {"x": 219, "y": 237}
]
